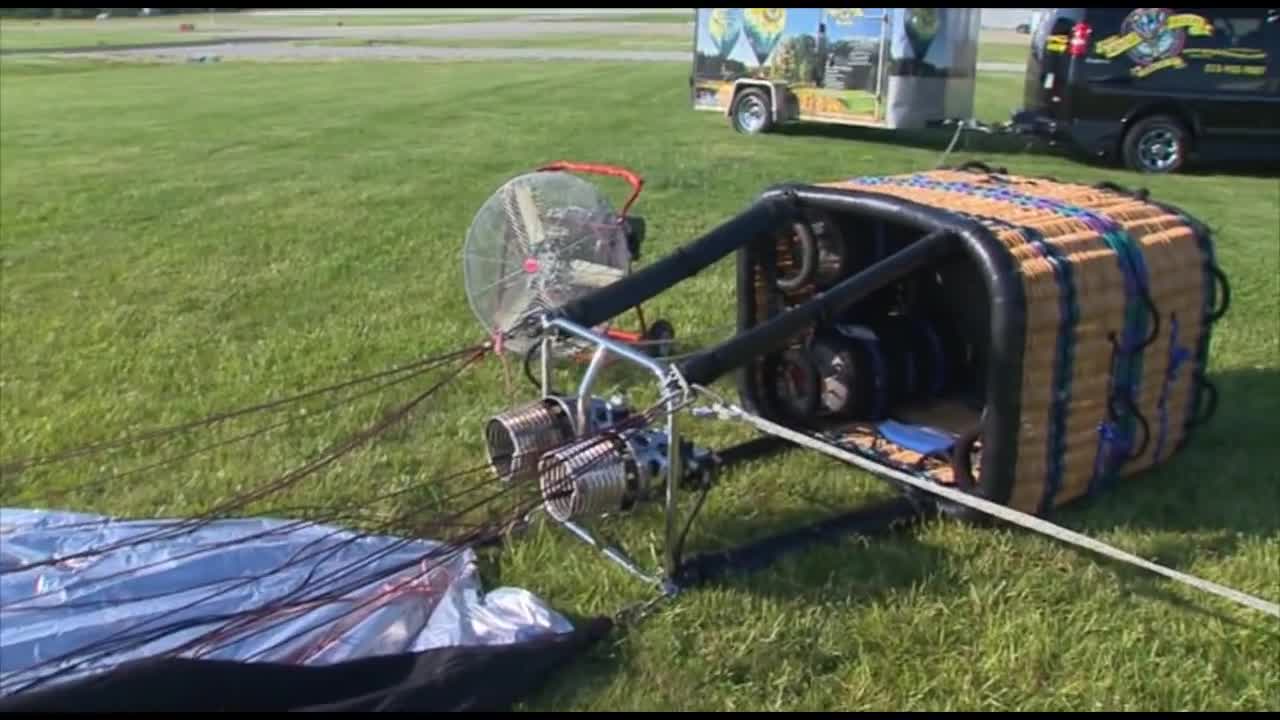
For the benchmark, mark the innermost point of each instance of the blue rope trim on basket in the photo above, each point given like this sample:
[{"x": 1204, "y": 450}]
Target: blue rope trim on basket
[
  {"x": 1063, "y": 365},
  {"x": 1064, "y": 358},
  {"x": 1204, "y": 241},
  {"x": 1115, "y": 435},
  {"x": 1178, "y": 355}
]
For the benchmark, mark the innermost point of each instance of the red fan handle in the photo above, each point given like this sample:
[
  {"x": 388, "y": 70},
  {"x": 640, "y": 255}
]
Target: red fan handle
[{"x": 634, "y": 180}]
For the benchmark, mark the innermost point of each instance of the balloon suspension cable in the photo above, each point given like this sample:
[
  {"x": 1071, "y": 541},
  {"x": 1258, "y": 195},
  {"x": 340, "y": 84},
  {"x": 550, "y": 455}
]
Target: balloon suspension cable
[
  {"x": 335, "y": 586},
  {"x": 416, "y": 367},
  {"x": 281, "y": 482}
]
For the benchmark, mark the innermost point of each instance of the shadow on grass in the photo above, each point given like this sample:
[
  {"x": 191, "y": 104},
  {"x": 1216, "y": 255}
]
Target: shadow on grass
[
  {"x": 1221, "y": 483},
  {"x": 798, "y": 569},
  {"x": 1216, "y": 492},
  {"x": 1201, "y": 503},
  {"x": 1207, "y": 498},
  {"x": 857, "y": 553}
]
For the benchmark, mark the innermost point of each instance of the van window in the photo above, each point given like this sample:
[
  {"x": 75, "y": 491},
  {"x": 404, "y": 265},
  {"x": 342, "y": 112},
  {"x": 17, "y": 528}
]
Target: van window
[
  {"x": 1271, "y": 45},
  {"x": 1238, "y": 31},
  {"x": 1054, "y": 30},
  {"x": 1237, "y": 55}
]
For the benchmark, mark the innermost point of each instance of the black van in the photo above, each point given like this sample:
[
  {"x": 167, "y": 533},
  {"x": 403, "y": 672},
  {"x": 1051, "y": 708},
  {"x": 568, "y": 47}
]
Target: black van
[{"x": 1156, "y": 86}]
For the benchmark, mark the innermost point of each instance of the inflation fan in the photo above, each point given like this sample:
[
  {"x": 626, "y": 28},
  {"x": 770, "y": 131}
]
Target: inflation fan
[{"x": 548, "y": 237}]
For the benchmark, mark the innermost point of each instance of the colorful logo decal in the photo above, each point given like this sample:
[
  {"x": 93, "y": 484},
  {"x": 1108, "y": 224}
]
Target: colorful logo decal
[{"x": 1154, "y": 39}]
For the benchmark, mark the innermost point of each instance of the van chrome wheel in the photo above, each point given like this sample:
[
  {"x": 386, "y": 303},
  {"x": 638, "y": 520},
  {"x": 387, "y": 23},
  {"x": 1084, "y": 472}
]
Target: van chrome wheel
[
  {"x": 1158, "y": 149},
  {"x": 1157, "y": 144}
]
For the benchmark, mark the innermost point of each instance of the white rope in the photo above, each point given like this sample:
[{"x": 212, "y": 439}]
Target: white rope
[{"x": 1001, "y": 511}]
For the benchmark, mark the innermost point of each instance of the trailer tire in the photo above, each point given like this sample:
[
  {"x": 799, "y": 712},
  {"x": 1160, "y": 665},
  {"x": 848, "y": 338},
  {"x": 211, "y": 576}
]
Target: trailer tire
[{"x": 752, "y": 113}]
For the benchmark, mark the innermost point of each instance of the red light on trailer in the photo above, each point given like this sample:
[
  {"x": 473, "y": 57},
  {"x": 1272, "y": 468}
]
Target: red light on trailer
[{"x": 1080, "y": 39}]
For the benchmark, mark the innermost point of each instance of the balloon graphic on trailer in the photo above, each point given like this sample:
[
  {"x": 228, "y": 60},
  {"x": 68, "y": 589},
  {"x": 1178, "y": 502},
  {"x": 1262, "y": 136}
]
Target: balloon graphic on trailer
[
  {"x": 725, "y": 27},
  {"x": 764, "y": 28},
  {"x": 921, "y": 25}
]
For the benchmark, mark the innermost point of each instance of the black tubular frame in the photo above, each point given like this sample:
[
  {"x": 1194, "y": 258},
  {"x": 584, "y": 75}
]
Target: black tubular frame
[
  {"x": 763, "y": 217},
  {"x": 1001, "y": 415},
  {"x": 766, "y": 337},
  {"x": 779, "y": 207}
]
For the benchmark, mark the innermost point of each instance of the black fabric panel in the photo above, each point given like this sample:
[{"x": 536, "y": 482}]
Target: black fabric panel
[
  {"x": 481, "y": 678},
  {"x": 763, "y": 217}
]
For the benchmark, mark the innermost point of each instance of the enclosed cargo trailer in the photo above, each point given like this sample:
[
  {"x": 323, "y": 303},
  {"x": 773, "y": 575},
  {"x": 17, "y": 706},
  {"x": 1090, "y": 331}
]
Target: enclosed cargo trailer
[{"x": 895, "y": 68}]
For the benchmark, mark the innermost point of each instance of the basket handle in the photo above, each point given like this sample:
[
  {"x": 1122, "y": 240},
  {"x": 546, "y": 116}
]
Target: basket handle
[
  {"x": 1199, "y": 416},
  {"x": 1223, "y": 297},
  {"x": 634, "y": 180},
  {"x": 961, "y": 462}
]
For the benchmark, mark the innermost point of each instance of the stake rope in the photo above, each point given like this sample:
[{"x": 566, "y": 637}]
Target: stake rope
[{"x": 732, "y": 412}]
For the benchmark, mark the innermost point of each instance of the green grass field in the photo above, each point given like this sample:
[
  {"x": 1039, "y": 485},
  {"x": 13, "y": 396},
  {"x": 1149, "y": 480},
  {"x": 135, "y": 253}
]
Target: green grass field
[
  {"x": 181, "y": 239},
  {"x": 1003, "y": 52}
]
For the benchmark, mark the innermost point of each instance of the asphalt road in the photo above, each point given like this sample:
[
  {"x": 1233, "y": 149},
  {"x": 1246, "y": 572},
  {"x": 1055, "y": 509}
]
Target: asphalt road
[
  {"x": 510, "y": 28},
  {"x": 272, "y": 49},
  {"x": 471, "y": 11},
  {"x": 291, "y": 51},
  {"x": 233, "y": 41}
]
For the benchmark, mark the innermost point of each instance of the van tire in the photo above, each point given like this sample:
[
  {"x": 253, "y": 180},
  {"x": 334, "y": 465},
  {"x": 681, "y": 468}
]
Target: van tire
[
  {"x": 1157, "y": 144},
  {"x": 752, "y": 113}
]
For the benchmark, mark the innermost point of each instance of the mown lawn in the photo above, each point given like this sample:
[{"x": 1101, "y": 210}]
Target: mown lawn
[
  {"x": 1003, "y": 52},
  {"x": 181, "y": 239}
]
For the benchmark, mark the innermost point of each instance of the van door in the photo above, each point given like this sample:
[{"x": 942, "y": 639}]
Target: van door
[
  {"x": 1231, "y": 69},
  {"x": 1271, "y": 73}
]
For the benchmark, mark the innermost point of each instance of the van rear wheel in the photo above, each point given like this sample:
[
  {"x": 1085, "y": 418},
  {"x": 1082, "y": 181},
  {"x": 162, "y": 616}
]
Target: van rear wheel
[{"x": 1157, "y": 144}]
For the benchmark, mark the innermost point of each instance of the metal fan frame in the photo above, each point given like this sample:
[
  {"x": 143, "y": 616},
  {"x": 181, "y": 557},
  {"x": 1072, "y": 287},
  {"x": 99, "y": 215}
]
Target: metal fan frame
[{"x": 656, "y": 337}]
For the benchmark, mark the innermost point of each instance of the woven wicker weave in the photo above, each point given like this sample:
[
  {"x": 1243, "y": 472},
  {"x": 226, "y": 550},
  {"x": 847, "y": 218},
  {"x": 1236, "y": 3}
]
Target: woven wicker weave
[{"x": 1115, "y": 299}]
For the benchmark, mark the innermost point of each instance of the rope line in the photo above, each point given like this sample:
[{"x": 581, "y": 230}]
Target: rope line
[{"x": 1003, "y": 512}]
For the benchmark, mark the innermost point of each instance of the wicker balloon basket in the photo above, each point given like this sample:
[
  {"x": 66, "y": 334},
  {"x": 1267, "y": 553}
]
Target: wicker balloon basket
[{"x": 1061, "y": 344}]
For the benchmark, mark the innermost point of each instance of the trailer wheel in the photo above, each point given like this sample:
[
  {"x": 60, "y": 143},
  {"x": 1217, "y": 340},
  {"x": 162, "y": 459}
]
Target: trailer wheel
[{"x": 751, "y": 113}]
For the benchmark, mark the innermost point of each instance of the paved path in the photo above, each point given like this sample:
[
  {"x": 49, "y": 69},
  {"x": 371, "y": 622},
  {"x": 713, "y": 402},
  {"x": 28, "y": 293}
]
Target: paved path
[
  {"x": 270, "y": 49},
  {"x": 472, "y": 11},
  {"x": 232, "y": 40},
  {"x": 513, "y": 28},
  {"x": 291, "y": 51}
]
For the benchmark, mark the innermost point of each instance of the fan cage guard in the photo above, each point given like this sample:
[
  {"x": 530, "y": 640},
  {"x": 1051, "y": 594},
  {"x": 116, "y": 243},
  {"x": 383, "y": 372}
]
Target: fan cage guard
[{"x": 541, "y": 240}]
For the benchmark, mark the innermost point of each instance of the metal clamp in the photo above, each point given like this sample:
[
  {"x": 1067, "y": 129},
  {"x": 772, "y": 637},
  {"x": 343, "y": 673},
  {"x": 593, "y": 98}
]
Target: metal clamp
[{"x": 675, "y": 391}]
